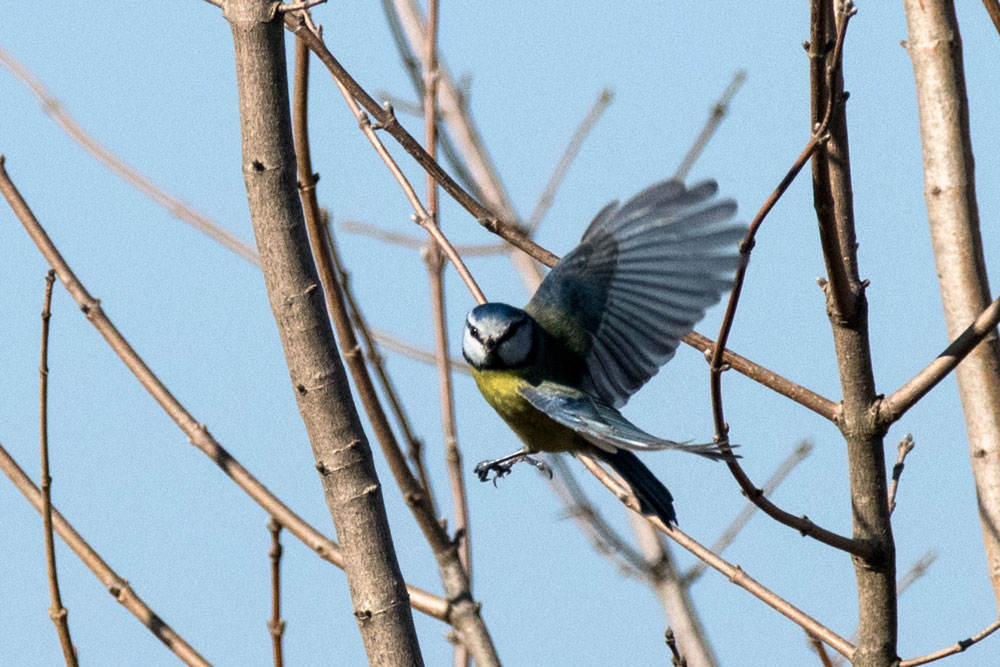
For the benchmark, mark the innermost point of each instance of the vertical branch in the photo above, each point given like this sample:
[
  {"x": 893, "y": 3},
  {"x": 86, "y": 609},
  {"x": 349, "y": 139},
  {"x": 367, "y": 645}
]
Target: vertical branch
[
  {"x": 847, "y": 309},
  {"x": 935, "y": 48},
  {"x": 340, "y": 447},
  {"x": 57, "y": 612},
  {"x": 435, "y": 274},
  {"x": 463, "y": 612},
  {"x": 276, "y": 625}
]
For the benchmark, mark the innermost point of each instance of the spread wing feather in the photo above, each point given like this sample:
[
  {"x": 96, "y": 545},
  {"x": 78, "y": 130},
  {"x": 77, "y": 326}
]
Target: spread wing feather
[
  {"x": 599, "y": 423},
  {"x": 642, "y": 276}
]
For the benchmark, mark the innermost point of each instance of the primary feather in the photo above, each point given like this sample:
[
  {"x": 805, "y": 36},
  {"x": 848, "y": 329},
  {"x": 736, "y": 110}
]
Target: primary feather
[{"x": 642, "y": 276}]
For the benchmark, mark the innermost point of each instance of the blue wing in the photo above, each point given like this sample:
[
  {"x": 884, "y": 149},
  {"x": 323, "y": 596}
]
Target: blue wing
[
  {"x": 641, "y": 277},
  {"x": 599, "y": 423}
]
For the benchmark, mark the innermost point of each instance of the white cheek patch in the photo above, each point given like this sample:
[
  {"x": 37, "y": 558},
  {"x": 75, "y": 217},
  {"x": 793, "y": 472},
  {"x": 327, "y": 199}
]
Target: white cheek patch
[
  {"x": 473, "y": 350},
  {"x": 515, "y": 350}
]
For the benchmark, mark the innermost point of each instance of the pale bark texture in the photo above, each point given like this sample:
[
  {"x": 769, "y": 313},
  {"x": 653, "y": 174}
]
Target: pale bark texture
[
  {"x": 935, "y": 49},
  {"x": 341, "y": 451}
]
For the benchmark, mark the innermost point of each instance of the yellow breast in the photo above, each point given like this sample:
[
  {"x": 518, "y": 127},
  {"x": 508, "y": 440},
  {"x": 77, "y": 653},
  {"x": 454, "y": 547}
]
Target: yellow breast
[{"x": 535, "y": 429}]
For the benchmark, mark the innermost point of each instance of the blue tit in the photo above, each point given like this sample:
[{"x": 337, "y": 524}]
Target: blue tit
[{"x": 600, "y": 325}]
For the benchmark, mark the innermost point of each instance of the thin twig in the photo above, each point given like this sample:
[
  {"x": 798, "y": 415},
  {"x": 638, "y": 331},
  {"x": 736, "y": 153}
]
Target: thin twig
[
  {"x": 375, "y": 359},
  {"x": 464, "y": 611},
  {"x": 409, "y": 241},
  {"x": 917, "y": 569},
  {"x": 715, "y": 116},
  {"x": 802, "y": 524},
  {"x": 276, "y": 625},
  {"x": 569, "y": 154},
  {"x": 385, "y": 119},
  {"x": 415, "y": 352},
  {"x": 118, "y": 587},
  {"x": 824, "y": 658},
  {"x": 734, "y": 573},
  {"x": 957, "y": 647},
  {"x": 806, "y": 397},
  {"x": 57, "y": 612},
  {"x": 180, "y": 210},
  {"x": 676, "y": 659},
  {"x": 435, "y": 277},
  {"x": 197, "y": 433},
  {"x": 904, "y": 447},
  {"x": 898, "y": 402},
  {"x": 797, "y": 455}
]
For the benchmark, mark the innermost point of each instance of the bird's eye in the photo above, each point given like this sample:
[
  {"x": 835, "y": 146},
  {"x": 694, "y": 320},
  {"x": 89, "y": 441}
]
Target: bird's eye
[{"x": 474, "y": 331}]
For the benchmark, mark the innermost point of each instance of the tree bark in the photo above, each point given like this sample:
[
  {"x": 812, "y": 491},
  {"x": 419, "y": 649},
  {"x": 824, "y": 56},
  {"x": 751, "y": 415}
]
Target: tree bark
[
  {"x": 935, "y": 49},
  {"x": 340, "y": 448},
  {"x": 847, "y": 309}
]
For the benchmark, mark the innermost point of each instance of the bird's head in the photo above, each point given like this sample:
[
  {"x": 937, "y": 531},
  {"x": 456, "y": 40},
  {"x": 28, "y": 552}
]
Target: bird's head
[{"x": 498, "y": 336}]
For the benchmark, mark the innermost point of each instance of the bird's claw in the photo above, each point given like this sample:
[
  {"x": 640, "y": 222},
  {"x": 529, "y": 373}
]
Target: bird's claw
[{"x": 502, "y": 466}]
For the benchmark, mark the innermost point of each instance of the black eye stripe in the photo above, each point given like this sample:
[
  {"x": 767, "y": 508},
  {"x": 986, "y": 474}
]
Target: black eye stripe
[{"x": 511, "y": 330}]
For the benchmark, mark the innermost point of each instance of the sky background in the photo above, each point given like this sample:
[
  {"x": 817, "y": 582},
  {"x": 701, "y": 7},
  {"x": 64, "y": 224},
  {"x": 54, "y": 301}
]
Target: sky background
[{"x": 154, "y": 81}]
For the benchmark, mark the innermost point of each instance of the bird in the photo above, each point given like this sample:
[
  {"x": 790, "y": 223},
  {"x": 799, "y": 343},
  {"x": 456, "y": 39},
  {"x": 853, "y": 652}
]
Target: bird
[{"x": 601, "y": 323}]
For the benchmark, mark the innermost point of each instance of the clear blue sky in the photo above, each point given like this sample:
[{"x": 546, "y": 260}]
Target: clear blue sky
[{"x": 155, "y": 83}]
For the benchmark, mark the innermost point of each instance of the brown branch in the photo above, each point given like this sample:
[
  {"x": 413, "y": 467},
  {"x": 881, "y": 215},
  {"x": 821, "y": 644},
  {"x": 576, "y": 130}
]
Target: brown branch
[
  {"x": 824, "y": 658},
  {"x": 386, "y": 119},
  {"x": 801, "y": 395},
  {"x": 118, "y": 587},
  {"x": 197, "y": 433},
  {"x": 415, "y": 352},
  {"x": 566, "y": 159},
  {"x": 904, "y": 447},
  {"x": 957, "y": 647},
  {"x": 993, "y": 9},
  {"x": 464, "y": 612},
  {"x": 408, "y": 241},
  {"x": 736, "y": 525},
  {"x": 57, "y": 612},
  {"x": 898, "y": 402},
  {"x": 276, "y": 626},
  {"x": 676, "y": 659},
  {"x": 802, "y": 524},
  {"x": 734, "y": 573},
  {"x": 180, "y": 210},
  {"x": 377, "y": 362},
  {"x": 715, "y": 116}
]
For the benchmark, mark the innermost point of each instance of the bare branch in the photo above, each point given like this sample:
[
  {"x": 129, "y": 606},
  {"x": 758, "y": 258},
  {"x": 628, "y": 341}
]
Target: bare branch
[
  {"x": 934, "y": 44},
  {"x": 197, "y": 433},
  {"x": 676, "y": 659},
  {"x": 118, "y": 587},
  {"x": 734, "y": 573},
  {"x": 727, "y": 537},
  {"x": 957, "y": 647},
  {"x": 715, "y": 116},
  {"x": 276, "y": 626},
  {"x": 410, "y": 351},
  {"x": 180, "y": 210},
  {"x": 904, "y": 447},
  {"x": 802, "y": 524},
  {"x": 898, "y": 402},
  {"x": 57, "y": 612},
  {"x": 464, "y": 612},
  {"x": 387, "y": 120}
]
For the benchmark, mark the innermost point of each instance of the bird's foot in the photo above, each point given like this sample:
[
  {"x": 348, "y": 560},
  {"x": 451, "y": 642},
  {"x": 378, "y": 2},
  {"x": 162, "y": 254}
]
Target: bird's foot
[{"x": 501, "y": 466}]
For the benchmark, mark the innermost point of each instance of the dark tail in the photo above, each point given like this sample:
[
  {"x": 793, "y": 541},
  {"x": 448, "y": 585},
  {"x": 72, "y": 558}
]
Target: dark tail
[{"x": 654, "y": 499}]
